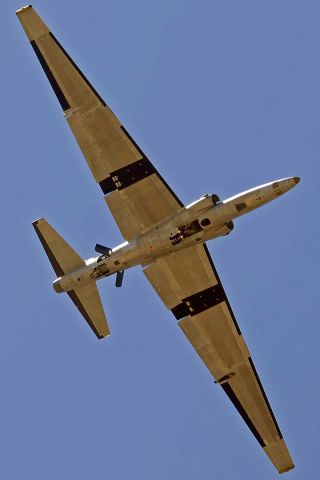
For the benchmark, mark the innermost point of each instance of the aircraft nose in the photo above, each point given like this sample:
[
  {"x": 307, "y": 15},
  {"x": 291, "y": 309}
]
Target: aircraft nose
[{"x": 283, "y": 185}]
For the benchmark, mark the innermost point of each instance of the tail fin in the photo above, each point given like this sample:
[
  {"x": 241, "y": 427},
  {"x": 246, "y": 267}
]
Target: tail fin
[{"x": 64, "y": 260}]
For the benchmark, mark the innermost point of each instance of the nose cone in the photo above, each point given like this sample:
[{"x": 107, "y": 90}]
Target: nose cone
[{"x": 285, "y": 184}]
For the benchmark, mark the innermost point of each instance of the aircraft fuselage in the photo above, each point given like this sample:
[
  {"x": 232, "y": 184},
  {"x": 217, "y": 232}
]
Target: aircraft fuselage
[{"x": 202, "y": 220}]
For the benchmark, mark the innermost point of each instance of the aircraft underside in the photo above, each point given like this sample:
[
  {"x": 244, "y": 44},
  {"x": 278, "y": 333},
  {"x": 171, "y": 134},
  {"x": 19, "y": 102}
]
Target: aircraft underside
[{"x": 162, "y": 235}]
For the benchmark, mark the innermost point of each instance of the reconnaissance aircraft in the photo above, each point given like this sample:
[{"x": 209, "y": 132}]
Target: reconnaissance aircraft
[{"x": 161, "y": 234}]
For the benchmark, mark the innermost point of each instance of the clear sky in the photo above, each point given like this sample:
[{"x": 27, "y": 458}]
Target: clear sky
[{"x": 222, "y": 96}]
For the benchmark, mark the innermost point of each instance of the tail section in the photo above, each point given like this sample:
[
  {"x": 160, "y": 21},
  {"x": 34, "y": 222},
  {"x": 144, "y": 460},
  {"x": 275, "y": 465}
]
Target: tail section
[{"x": 64, "y": 260}]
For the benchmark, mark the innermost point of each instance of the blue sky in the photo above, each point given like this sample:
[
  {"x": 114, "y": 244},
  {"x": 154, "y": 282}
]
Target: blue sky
[{"x": 222, "y": 96}]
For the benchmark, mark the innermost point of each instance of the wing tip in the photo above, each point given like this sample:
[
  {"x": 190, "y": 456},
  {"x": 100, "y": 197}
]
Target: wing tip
[
  {"x": 35, "y": 222},
  {"x": 287, "y": 469},
  {"x": 102, "y": 336},
  {"x": 32, "y": 24},
  {"x": 23, "y": 9}
]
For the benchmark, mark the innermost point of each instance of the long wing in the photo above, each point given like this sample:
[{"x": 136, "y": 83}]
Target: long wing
[
  {"x": 135, "y": 192},
  {"x": 188, "y": 284}
]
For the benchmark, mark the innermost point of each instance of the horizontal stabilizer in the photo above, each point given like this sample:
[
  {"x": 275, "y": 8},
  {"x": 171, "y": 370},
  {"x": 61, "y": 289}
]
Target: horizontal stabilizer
[
  {"x": 62, "y": 257},
  {"x": 64, "y": 260},
  {"x": 88, "y": 302}
]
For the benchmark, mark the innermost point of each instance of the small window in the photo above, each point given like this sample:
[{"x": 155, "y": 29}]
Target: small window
[
  {"x": 205, "y": 222},
  {"x": 240, "y": 206}
]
